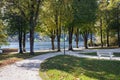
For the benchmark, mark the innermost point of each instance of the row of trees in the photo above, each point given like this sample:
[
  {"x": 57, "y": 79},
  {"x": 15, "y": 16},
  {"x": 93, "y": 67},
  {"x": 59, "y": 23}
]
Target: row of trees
[
  {"x": 74, "y": 16},
  {"x": 109, "y": 20},
  {"x": 51, "y": 17}
]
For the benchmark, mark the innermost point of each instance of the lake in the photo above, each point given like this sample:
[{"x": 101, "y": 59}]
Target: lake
[{"x": 40, "y": 45}]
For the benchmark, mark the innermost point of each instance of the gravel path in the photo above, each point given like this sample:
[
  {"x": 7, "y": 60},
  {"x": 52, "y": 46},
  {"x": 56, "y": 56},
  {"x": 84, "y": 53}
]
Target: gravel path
[
  {"x": 29, "y": 69},
  {"x": 26, "y": 69}
]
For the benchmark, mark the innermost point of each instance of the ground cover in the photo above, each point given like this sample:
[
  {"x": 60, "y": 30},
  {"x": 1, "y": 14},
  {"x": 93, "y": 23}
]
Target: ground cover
[
  {"x": 6, "y": 59},
  {"x": 74, "y": 68}
]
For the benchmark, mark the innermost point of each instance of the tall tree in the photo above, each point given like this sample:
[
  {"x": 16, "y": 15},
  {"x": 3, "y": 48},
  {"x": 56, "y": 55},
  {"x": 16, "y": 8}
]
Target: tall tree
[
  {"x": 114, "y": 8},
  {"x": 47, "y": 27},
  {"x": 15, "y": 25},
  {"x": 3, "y": 34},
  {"x": 85, "y": 15},
  {"x": 34, "y": 8},
  {"x": 30, "y": 11}
]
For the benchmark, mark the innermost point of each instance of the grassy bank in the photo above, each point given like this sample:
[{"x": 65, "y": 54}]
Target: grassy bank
[{"x": 73, "y": 68}]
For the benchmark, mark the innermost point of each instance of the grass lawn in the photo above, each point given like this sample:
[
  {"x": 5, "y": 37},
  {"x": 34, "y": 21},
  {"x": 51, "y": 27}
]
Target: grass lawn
[
  {"x": 74, "y": 68},
  {"x": 6, "y": 59},
  {"x": 95, "y": 54}
]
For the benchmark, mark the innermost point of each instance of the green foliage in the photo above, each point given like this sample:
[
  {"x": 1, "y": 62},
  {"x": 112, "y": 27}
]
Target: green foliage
[
  {"x": 114, "y": 13},
  {"x": 15, "y": 23},
  {"x": 47, "y": 20},
  {"x": 3, "y": 34},
  {"x": 85, "y": 11},
  {"x": 48, "y": 15}
]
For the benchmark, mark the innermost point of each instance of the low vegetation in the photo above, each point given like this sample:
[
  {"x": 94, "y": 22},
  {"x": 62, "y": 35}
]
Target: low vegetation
[
  {"x": 74, "y": 68},
  {"x": 6, "y": 59}
]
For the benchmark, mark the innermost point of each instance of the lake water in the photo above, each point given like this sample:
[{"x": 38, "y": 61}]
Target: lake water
[{"x": 40, "y": 45}]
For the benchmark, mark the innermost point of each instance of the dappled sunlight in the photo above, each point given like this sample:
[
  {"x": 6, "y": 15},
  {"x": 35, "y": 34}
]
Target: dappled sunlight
[{"x": 80, "y": 68}]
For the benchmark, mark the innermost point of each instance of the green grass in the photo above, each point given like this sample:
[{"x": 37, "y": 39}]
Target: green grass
[
  {"x": 22, "y": 56},
  {"x": 92, "y": 54},
  {"x": 6, "y": 59},
  {"x": 95, "y": 54},
  {"x": 73, "y": 68}
]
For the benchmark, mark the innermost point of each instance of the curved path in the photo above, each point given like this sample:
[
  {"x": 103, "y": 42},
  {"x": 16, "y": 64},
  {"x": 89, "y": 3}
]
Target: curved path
[
  {"x": 26, "y": 69},
  {"x": 29, "y": 69}
]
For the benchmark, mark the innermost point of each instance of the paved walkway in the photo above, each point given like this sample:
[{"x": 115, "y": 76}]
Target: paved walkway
[
  {"x": 29, "y": 69},
  {"x": 26, "y": 69}
]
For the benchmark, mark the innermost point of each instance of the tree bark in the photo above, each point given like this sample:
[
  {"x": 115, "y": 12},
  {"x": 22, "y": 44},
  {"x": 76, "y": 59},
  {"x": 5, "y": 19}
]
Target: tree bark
[
  {"x": 85, "y": 35},
  {"x": 107, "y": 38},
  {"x": 91, "y": 39},
  {"x": 118, "y": 37},
  {"x": 77, "y": 38},
  {"x": 24, "y": 41},
  {"x": 70, "y": 29},
  {"x": 34, "y": 12},
  {"x": 52, "y": 42},
  {"x": 31, "y": 39},
  {"x": 101, "y": 33},
  {"x": 58, "y": 39},
  {"x": 20, "y": 41},
  {"x": 58, "y": 31}
]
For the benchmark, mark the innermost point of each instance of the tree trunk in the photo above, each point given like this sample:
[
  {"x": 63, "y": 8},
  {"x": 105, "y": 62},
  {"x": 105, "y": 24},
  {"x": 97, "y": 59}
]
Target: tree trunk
[
  {"x": 52, "y": 42},
  {"x": 118, "y": 37},
  {"x": 77, "y": 38},
  {"x": 108, "y": 38},
  {"x": 58, "y": 31},
  {"x": 70, "y": 29},
  {"x": 31, "y": 39},
  {"x": 101, "y": 33},
  {"x": 24, "y": 41},
  {"x": 91, "y": 40},
  {"x": 58, "y": 39},
  {"x": 20, "y": 41},
  {"x": 85, "y": 40}
]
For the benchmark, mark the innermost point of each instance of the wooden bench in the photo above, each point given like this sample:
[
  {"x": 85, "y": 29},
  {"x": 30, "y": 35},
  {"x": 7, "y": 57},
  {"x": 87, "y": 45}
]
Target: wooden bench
[{"x": 105, "y": 54}]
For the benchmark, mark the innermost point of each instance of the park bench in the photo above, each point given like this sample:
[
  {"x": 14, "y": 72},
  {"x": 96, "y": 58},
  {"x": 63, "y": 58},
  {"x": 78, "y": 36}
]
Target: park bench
[
  {"x": 1, "y": 51},
  {"x": 8, "y": 50},
  {"x": 105, "y": 54}
]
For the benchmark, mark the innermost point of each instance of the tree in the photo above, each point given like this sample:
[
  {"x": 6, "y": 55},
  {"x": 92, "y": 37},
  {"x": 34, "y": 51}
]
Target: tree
[
  {"x": 85, "y": 16},
  {"x": 30, "y": 11},
  {"x": 3, "y": 34},
  {"x": 105, "y": 19},
  {"x": 16, "y": 25},
  {"x": 101, "y": 19},
  {"x": 69, "y": 21},
  {"x": 55, "y": 14},
  {"x": 16, "y": 22},
  {"x": 114, "y": 8},
  {"x": 47, "y": 23}
]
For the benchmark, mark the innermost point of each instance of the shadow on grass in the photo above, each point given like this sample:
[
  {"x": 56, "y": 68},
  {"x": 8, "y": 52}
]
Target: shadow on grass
[
  {"x": 92, "y": 68},
  {"x": 22, "y": 56},
  {"x": 6, "y": 59}
]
